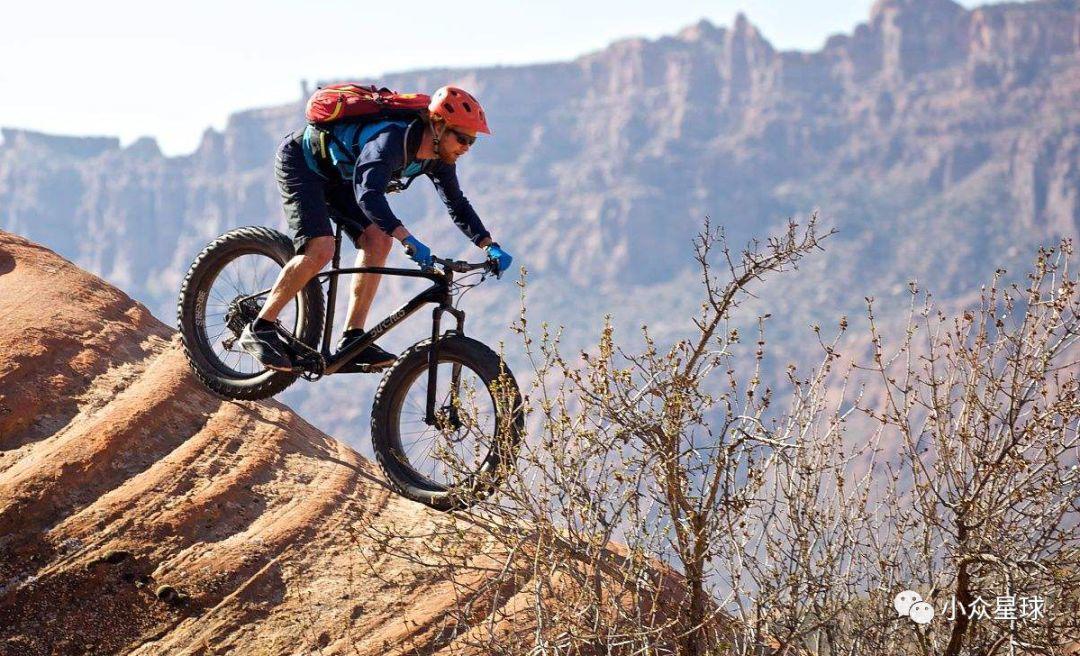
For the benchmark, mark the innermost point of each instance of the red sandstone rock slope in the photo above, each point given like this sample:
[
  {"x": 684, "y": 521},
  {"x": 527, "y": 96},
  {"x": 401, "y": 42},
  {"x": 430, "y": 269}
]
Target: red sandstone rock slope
[{"x": 120, "y": 475}]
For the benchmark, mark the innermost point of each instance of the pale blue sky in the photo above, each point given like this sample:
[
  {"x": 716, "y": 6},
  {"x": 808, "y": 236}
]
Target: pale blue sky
[{"x": 96, "y": 67}]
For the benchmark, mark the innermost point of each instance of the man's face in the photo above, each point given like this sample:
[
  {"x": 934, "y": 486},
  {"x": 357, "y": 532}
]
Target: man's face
[{"x": 455, "y": 142}]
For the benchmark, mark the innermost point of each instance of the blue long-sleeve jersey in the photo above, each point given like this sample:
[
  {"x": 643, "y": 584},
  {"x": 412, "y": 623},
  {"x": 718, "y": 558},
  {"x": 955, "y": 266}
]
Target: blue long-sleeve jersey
[{"x": 372, "y": 156}]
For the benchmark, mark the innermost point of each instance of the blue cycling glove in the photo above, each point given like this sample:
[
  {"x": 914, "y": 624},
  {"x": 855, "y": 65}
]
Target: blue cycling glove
[
  {"x": 502, "y": 258},
  {"x": 416, "y": 250}
]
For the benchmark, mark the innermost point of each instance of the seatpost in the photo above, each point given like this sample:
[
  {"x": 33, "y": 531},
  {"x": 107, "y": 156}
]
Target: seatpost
[{"x": 331, "y": 294}]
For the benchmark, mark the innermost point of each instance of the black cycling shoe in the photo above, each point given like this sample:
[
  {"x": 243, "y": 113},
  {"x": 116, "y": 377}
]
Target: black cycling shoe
[
  {"x": 370, "y": 359},
  {"x": 266, "y": 346}
]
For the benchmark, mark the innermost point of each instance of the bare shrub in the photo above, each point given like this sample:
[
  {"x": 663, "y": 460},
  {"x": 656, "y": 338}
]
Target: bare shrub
[{"x": 671, "y": 501}]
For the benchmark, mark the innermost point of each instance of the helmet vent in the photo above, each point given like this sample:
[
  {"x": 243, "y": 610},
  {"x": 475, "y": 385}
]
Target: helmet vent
[{"x": 467, "y": 106}]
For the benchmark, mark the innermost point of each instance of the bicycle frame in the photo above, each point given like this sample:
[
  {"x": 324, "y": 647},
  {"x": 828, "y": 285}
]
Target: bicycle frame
[{"x": 438, "y": 293}]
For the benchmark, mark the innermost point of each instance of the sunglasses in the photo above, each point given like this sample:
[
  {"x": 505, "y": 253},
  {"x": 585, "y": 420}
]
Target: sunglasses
[{"x": 463, "y": 139}]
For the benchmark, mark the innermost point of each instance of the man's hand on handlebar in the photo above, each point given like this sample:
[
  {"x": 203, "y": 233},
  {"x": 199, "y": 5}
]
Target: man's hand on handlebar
[
  {"x": 418, "y": 252},
  {"x": 500, "y": 258},
  {"x": 497, "y": 262}
]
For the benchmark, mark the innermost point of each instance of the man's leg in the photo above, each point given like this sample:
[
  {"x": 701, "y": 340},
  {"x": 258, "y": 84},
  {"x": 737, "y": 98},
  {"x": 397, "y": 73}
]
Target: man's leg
[
  {"x": 296, "y": 273},
  {"x": 304, "y": 199},
  {"x": 260, "y": 337},
  {"x": 375, "y": 246}
]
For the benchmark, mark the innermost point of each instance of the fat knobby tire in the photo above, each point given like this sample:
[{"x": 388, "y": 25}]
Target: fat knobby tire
[
  {"x": 195, "y": 289},
  {"x": 510, "y": 420}
]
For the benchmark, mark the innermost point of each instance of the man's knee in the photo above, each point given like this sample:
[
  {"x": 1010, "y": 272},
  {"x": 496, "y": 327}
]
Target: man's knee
[
  {"x": 376, "y": 243},
  {"x": 318, "y": 252}
]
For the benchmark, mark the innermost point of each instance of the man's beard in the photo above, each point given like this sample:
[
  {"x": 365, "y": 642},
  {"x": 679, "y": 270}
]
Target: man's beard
[{"x": 446, "y": 157}]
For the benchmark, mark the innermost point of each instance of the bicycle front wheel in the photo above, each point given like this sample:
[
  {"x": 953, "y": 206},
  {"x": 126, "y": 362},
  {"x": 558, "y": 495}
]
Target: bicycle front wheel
[{"x": 464, "y": 453}]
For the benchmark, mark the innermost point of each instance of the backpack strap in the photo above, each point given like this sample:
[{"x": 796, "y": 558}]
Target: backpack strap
[
  {"x": 313, "y": 144},
  {"x": 398, "y": 185},
  {"x": 405, "y": 142}
]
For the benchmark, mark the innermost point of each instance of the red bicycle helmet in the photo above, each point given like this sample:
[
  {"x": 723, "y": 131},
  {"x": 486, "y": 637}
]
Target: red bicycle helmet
[{"x": 459, "y": 109}]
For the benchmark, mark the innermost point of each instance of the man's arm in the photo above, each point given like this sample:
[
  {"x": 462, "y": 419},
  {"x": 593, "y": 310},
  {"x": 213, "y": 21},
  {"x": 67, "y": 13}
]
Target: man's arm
[
  {"x": 444, "y": 176},
  {"x": 374, "y": 166}
]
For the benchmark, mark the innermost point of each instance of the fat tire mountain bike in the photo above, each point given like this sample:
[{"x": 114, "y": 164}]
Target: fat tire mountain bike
[{"x": 447, "y": 418}]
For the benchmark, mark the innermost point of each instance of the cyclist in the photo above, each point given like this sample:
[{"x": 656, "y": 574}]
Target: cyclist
[{"x": 343, "y": 172}]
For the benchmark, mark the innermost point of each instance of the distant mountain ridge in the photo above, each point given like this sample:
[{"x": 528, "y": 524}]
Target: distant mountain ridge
[{"x": 942, "y": 142}]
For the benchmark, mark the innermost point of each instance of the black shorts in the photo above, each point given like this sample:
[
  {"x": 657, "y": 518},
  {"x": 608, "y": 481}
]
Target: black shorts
[{"x": 311, "y": 201}]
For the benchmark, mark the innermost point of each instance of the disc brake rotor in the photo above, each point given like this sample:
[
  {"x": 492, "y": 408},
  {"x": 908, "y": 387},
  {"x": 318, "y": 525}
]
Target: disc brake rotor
[{"x": 448, "y": 421}]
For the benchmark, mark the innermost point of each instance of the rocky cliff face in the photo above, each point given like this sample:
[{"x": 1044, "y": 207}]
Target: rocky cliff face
[
  {"x": 942, "y": 142},
  {"x": 141, "y": 515}
]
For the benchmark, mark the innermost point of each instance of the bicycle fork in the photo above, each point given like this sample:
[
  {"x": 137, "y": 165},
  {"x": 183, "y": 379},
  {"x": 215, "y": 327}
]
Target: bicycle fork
[{"x": 433, "y": 365}]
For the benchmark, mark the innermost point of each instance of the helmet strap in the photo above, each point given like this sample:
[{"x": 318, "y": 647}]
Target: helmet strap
[{"x": 436, "y": 136}]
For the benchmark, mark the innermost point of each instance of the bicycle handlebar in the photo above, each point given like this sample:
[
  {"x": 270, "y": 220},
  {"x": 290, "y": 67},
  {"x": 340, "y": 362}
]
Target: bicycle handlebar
[{"x": 460, "y": 266}]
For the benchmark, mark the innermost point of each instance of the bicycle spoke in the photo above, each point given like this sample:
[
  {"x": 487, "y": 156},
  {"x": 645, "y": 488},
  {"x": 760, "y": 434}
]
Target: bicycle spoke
[
  {"x": 230, "y": 279},
  {"x": 243, "y": 276},
  {"x": 221, "y": 300}
]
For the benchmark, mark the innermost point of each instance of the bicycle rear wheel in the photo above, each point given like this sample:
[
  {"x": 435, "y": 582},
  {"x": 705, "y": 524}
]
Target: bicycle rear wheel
[
  {"x": 213, "y": 308},
  {"x": 466, "y": 454}
]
